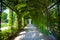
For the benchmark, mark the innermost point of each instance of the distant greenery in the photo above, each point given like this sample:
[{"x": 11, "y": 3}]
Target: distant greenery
[
  {"x": 4, "y": 17},
  {"x": 8, "y": 33},
  {"x": 4, "y": 25}
]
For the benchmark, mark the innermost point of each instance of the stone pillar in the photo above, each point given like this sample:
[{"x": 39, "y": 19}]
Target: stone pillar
[{"x": 29, "y": 21}]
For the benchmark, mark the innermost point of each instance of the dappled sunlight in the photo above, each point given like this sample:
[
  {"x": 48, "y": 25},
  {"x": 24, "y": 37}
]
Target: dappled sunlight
[
  {"x": 30, "y": 27},
  {"x": 33, "y": 35},
  {"x": 4, "y": 28},
  {"x": 19, "y": 37},
  {"x": 40, "y": 34},
  {"x": 22, "y": 32},
  {"x": 42, "y": 39}
]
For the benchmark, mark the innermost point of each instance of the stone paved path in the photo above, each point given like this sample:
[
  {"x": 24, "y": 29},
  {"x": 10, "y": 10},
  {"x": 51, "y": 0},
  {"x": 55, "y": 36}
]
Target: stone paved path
[{"x": 31, "y": 33}]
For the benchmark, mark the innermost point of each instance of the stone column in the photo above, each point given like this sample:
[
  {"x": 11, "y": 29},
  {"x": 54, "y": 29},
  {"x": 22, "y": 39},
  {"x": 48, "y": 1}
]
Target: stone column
[{"x": 29, "y": 21}]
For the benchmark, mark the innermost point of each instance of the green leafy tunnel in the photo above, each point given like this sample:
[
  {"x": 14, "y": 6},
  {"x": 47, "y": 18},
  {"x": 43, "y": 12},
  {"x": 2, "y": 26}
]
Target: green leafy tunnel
[{"x": 44, "y": 18}]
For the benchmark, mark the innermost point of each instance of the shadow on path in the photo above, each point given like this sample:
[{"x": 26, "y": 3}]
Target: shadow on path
[{"x": 31, "y": 33}]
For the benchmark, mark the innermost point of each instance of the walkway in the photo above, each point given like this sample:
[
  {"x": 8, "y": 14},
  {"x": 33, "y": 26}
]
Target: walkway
[{"x": 31, "y": 33}]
